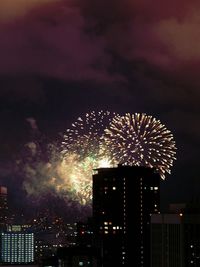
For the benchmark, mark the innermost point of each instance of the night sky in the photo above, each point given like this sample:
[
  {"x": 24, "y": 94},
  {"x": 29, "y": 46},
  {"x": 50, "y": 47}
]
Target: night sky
[{"x": 60, "y": 59}]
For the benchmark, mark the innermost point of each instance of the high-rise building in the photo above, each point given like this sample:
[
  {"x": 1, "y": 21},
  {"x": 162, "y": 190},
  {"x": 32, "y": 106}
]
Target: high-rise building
[
  {"x": 123, "y": 200},
  {"x": 175, "y": 240},
  {"x": 3, "y": 207},
  {"x": 17, "y": 246},
  {"x": 166, "y": 240}
]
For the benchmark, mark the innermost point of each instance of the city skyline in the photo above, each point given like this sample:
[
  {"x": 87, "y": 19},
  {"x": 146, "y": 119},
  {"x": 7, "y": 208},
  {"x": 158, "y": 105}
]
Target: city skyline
[{"x": 61, "y": 59}]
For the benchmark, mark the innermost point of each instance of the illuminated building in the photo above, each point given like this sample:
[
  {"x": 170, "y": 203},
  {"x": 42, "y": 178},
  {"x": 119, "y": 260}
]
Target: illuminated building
[
  {"x": 123, "y": 200},
  {"x": 3, "y": 206},
  {"x": 85, "y": 235},
  {"x": 51, "y": 232},
  {"x": 175, "y": 240},
  {"x": 17, "y": 246}
]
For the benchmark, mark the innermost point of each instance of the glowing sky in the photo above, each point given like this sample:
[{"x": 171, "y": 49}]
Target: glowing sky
[{"x": 12, "y": 9}]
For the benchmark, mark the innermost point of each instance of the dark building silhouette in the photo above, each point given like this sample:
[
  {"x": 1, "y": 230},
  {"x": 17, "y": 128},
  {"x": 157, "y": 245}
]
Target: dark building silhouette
[
  {"x": 166, "y": 240},
  {"x": 123, "y": 200},
  {"x": 175, "y": 240}
]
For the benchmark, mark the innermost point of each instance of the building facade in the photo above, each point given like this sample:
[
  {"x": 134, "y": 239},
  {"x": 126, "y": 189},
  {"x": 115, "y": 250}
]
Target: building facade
[
  {"x": 175, "y": 240},
  {"x": 166, "y": 240},
  {"x": 123, "y": 200},
  {"x": 17, "y": 247},
  {"x": 3, "y": 207}
]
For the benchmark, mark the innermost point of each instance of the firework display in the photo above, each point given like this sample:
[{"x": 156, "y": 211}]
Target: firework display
[
  {"x": 75, "y": 177},
  {"x": 98, "y": 139},
  {"x": 139, "y": 139},
  {"x": 85, "y": 137},
  {"x": 83, "y": 151}
]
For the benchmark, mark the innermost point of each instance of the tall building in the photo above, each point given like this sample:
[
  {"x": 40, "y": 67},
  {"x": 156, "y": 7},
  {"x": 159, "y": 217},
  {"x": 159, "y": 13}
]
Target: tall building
[
  {"x": 166, "y": 240},
  {"x": 175, "y": 240},
  {"x": 3, "y": 207},
  {"x": 123, "y": 200},
  {"x": 17, "y": 246}
]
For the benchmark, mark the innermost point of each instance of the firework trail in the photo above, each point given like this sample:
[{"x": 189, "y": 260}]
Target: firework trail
[{"x": 139, "y": 139}]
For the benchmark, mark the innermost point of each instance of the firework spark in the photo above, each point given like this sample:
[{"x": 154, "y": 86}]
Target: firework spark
[
  {"x": 101, "y": 139},
  {"x": 66, "y": 171},
  {"x": 76, "y": 177},
  {"x": 139, "y": 139},
  {"x": 84, "y": 138},
  {"x": 83, "y": 145}
]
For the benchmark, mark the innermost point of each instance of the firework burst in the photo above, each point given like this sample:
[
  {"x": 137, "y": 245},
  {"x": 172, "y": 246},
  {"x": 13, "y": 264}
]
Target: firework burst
[
  {"x": 76, "y": 177},
  {"x": 84, "y": 138},
  {"x": 98, "y": 139},
  {"x": 139, "y": 139},
  {"x": 83, "y": 150}
]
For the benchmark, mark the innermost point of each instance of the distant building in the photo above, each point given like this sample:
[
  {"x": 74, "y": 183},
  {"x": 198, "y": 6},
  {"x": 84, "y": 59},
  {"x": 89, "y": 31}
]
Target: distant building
[
  {"x": 50, "y": 234},
  {"x": 166, "y": 240},
  {"x": 17, "y": 246},
  {"x": 3, "y": 207},
  {"x": 85, "y": 234},
  {"x": 123, "y": 200},
  {"x": 175, "y": 240},
  {"x": 78, "y": 257}
]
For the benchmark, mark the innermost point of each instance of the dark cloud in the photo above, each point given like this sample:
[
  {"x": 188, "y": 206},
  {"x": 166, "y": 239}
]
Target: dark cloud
[
  {"x": 12, "y": 9},
  {"x": 162, "y": 35},
  {"x": 52, "y": 42},
  {"x": 83, "y": 41}
]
